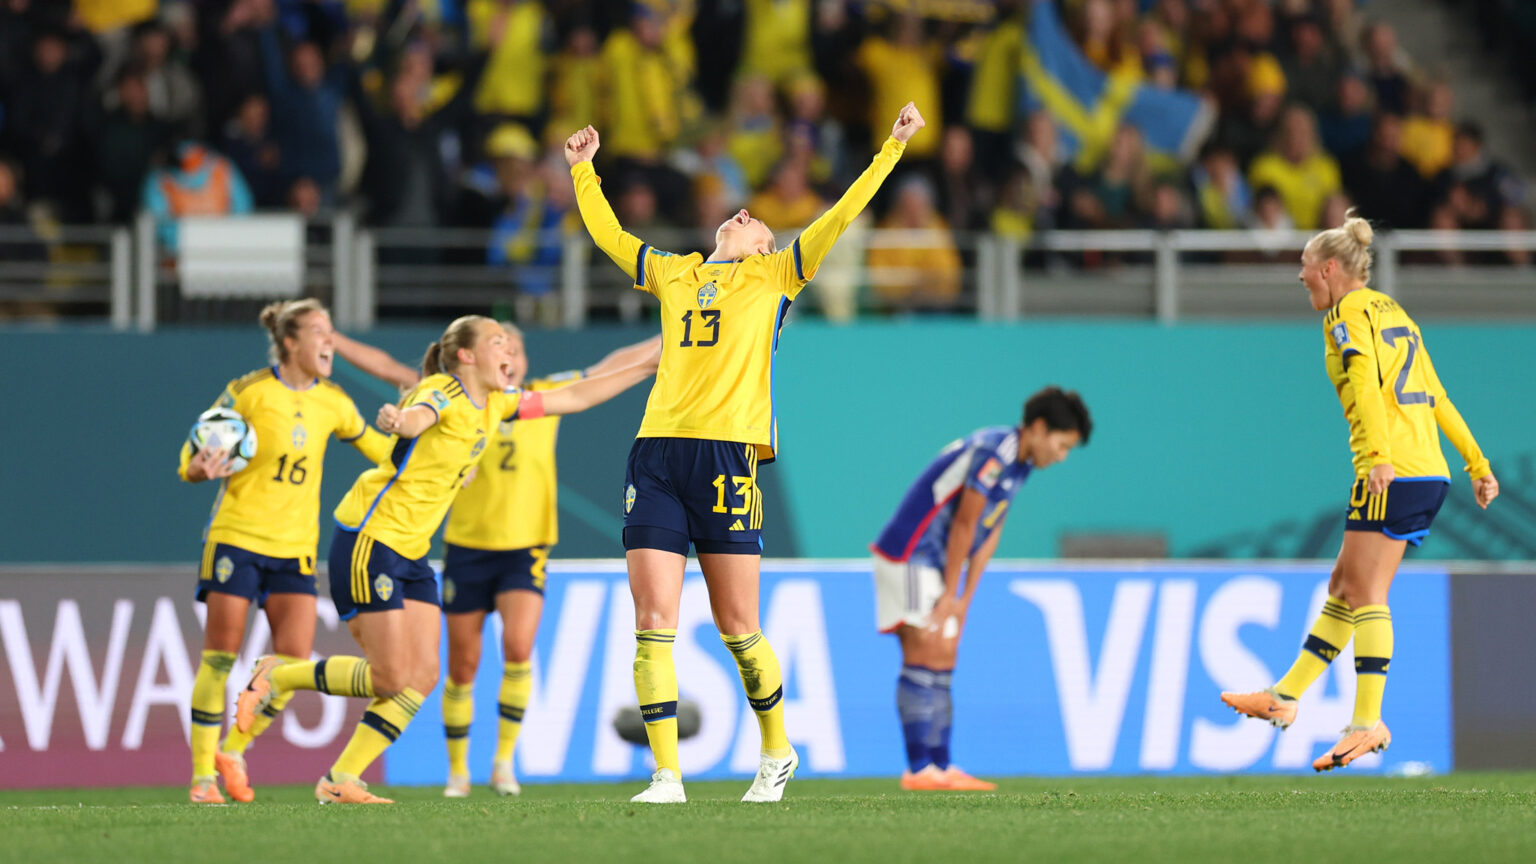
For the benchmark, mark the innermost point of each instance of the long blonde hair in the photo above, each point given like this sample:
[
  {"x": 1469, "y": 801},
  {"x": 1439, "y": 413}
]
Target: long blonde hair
[
  {"x": 1349, "y": 244},
  {"x": 443, "y": 355},
  {"x": 281, "y": 319}
]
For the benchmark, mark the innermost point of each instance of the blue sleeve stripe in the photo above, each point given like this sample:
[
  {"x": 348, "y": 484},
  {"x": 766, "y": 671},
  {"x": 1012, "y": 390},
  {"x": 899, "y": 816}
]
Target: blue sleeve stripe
[
  {"x": 640, "y": 264},
  {"x": 799, "y": 265}
]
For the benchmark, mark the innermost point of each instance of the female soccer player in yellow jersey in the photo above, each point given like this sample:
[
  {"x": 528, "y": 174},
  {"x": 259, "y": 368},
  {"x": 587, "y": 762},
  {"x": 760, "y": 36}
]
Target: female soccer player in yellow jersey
[
  {"x": 498, "y": 537},
  {"x": 260, "y": 542},
  {"x": 692, "y": 473},
  {"x": 380, "y": 580},
  {"x": 1393, "y": 400}
]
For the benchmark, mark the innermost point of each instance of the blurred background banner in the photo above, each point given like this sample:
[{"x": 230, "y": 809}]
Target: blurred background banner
[
  {"x": 96, "y": 681},
  {"x": 1236, "y": 423},
  {"x": 1069, "y": 669}
]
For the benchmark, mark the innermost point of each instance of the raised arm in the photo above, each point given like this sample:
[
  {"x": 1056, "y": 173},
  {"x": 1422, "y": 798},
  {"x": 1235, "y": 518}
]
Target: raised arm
[
  {"x": 376, "y": 362},
  {"x": 625, "y": 357},
  {"x": 618, "y": 244},
  {"x": 581, "y": 395},
  {"x": 813, "y": 244}
]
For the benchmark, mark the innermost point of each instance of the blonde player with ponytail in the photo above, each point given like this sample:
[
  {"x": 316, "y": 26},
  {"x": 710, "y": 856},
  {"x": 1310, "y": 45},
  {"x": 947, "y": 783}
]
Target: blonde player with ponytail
[
  {"x": 1393, "y": 401},
  {"x": 380, "y": 580},
  {"x": 260, "y": 541}
]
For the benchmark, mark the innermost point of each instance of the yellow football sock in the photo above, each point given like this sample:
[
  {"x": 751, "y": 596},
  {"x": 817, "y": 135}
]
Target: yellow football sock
[
  {"x": 1330, "y": 633},
  {"x": 338, "y": 676},
  {"x": 516, "y": 685},
  {"x": 458, "y": 713},
  {"x": 656, "y": 686},
  {"x": 236, "y": 741},
  {"x": 1373, "y": 654},
  {"x": 208, "y": 708},
  {"x": 760, "y": 676},
  {"x": 382, "y": 723}
]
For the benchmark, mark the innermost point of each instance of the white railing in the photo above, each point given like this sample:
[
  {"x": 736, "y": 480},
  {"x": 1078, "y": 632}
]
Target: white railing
[{"x": 1170, "y": 276}]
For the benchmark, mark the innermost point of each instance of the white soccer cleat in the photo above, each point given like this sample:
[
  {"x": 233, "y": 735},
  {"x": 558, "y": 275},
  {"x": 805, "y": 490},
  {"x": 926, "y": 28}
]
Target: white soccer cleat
[
  {"x": 458, "y": 786},
  {"x": 503, "y": 781},
  {"x": 665, "y": 788},
  {"x": 772, "y": 775}
]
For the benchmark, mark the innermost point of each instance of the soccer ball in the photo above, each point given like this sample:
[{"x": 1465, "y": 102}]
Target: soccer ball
[{"x": 224, "y": 428}]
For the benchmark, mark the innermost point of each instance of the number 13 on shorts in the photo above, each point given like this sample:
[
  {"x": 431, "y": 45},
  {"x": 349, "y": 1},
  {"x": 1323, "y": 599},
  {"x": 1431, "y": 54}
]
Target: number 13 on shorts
[{"x": 745, "y": 489}]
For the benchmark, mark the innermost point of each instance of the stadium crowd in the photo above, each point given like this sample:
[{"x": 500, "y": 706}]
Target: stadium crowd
[{"x": 425, "y": 113}]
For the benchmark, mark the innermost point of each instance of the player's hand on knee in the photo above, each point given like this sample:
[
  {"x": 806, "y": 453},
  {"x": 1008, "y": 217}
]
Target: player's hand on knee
[
  {"x": 1485, "y": 489},
  {"x": 907, "y": 123}
]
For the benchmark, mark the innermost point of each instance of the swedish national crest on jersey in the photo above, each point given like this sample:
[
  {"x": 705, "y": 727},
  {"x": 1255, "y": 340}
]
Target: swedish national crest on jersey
[{"x": 707, "y": 294}]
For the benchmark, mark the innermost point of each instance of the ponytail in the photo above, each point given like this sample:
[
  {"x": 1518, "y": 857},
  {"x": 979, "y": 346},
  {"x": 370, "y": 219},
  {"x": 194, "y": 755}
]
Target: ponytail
[
  {"x": 443, "y": 355},
  {"x": 281, "y": 320},
  {"x": 1349, "y": 244}
]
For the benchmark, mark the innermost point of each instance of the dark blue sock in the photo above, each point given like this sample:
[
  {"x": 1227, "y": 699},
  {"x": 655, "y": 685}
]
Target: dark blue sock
[
  {"x": 943, "y": 719},
  {"x": 915, "y": 705}
]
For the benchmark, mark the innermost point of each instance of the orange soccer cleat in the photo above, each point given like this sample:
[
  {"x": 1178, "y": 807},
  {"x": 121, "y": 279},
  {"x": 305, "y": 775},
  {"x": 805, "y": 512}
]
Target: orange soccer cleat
[
  {"x": 205, "y": 790},
  {"x": 959, "y": 780},
  {"x": 928, "y": 779},
  {"x": 257, "y": 694},
  {"x": 1263, "y": 705},
  {"x": 232, "y": 769},
  {"x": 346, "y": 790},
  {"x": 1357, "y": 741}
]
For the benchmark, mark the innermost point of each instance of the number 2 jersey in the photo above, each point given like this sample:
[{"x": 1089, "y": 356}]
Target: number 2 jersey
[
  {"x": 1391, "y": 396},
  {"x": 401, "y": 501},
  {"x": 987, "y": 461},
  {"x": 720, "y": 320},
  {"x": 512, "y": 502},
  {"x": 272, "y": 506}
]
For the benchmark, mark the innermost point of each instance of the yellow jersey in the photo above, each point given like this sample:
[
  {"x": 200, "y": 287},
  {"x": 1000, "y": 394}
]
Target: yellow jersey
[
  {"x": 720, "y": 320},
  {"x": 272, "y": 506},
  {"x": 512, "y": 501},
  {"x": 401, "y": 501},
  {"x": 1391, "y": 396}
]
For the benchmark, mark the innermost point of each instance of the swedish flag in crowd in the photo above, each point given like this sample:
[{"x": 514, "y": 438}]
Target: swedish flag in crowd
[{"x": 1089, "y": 104}]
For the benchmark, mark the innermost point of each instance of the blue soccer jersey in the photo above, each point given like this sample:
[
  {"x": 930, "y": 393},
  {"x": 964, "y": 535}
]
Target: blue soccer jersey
[{"x": 987, "y": 460}]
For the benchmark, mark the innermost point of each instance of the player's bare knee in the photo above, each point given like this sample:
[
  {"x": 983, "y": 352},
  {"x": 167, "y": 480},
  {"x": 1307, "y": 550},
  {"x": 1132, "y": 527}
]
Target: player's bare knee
[
  {"x": 653, "y": 619},
  {"x": 517, "y": 652},
  {"x": 462, "y": 670}
]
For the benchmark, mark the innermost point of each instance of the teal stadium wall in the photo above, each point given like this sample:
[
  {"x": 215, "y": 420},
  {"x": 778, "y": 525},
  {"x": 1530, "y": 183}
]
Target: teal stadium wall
[{"x": 1225, "y": 439}]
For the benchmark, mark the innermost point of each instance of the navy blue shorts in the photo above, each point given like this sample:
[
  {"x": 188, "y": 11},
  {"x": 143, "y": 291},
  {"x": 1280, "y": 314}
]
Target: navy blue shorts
[
  {"x": 678, "y": 490},
  {"x": 368, "y": 576},
  {"x": 231, "y": 570},
  {"x": 473, "y": 577},
  {"x": 1403, "y": 512}
]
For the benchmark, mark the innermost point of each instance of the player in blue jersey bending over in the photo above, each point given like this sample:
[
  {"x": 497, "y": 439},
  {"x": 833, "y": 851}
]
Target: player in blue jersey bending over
[{"x": 949, "y": 522}]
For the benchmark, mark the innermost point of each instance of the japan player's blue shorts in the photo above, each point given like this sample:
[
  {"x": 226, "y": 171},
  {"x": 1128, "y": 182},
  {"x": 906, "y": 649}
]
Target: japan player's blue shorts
[
  {"x": 1403, "y": 512},
  {"x": 229, "y": 569},
  {"x": 691, "y": 490}
]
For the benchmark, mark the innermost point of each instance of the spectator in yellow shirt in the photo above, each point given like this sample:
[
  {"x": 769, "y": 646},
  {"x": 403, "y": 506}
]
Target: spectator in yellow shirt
[
  {"x": 1426, "y": 137},
  {"x": 1297, "y": 169},
  {"x": 904, "y": 68},
  {"x": 513, "y": 84},
  {"x": 789, "y": 201},
  {"x": 778, "y": 40},
  {"x": 918, "y": 267},
  {"x": 643, "y": 90},
  {"x": 576, "y": 79}
]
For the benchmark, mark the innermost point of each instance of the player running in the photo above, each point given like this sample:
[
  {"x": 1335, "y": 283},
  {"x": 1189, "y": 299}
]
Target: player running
[
  {"x": 260, "y": 541},
  {"x": 498, "y": 537},
  {"x": 692, "y": 472},
  {"x": 380, "y": 580},
  {"x": 1393, "y": 400},
  {"x": 949, "y": 523}
]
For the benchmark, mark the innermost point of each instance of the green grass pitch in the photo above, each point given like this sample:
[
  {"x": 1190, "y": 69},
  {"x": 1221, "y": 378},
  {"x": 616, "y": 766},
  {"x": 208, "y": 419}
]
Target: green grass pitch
[{"x": 1294, "y": 820}]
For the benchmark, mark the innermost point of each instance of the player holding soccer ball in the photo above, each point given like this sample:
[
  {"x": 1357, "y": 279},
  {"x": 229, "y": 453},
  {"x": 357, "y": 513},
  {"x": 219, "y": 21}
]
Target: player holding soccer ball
[
  {"x": 260, "y": 542},
  {"x": 947, "y": 524}
]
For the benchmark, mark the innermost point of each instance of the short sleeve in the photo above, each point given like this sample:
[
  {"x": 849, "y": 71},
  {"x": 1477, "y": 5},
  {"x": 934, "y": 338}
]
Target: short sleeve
[
  {"x": 349, "y": 421},
  {"x": 653, "y": 267},
  {"x": 986, "y": 470},
  {"x": 1351, "y": 334},
  {"x": 431, "y": 394},
  {"x": 789, "y": 269}
]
